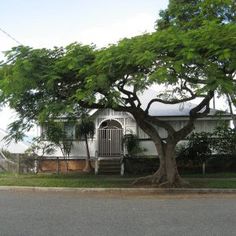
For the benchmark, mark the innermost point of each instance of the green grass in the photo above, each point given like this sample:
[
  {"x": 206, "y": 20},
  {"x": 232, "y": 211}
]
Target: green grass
[
  {"x": 221, "y": 180},
  {"x": 69, "y": 180},
  {"x": 212, "y": 183},
  {"x": 211, "y": 175},
  {"x": 212, "y": 180}
]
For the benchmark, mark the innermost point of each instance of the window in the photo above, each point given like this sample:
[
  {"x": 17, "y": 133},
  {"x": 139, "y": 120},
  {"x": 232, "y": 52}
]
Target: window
[
  {"x": 65, "y": 129},
  {"x": 69, "y": 130}
]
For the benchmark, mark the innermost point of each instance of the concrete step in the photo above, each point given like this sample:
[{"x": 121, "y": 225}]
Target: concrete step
[
  {"x": 109, "y": 163},
  {"x": 109, "y": 166},
  {"x": 111, "y": 171}
]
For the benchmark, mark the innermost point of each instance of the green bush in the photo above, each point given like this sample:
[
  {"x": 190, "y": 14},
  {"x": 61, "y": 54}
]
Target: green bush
[
  {"x": 217, "y": 150},
  {"x": 132, "y": 145},
  {"x": 224, "y": 140},
  {"x": 198, "y": 148}
]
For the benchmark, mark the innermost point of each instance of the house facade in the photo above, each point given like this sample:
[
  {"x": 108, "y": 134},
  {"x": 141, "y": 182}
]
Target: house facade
[{"x": 111, "y": 126}]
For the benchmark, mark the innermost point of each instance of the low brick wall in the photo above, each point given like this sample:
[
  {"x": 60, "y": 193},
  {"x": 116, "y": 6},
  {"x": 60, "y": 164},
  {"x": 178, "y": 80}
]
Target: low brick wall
[{"x": 51, "y": 165}]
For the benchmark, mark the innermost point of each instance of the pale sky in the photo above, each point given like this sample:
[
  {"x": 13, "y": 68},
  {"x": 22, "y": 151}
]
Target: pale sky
[{"x": 48, "y": 23}]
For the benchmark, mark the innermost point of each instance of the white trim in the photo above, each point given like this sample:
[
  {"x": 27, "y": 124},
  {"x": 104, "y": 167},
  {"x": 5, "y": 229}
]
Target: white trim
[{"x": 109, "y": 119}]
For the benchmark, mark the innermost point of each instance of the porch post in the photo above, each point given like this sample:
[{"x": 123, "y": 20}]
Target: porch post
[{"x": 96, "y": 163}]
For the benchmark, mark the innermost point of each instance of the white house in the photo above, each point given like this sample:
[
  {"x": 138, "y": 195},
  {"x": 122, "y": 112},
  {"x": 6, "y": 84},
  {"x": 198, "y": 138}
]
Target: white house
[{"x": 111, "y": 126}]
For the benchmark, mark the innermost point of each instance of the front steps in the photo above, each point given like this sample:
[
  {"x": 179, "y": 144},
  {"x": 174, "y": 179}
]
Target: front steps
[{"x": 109, "y": 166}]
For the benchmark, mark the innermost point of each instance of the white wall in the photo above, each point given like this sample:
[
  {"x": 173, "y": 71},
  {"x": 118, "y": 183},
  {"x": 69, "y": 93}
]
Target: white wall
[
  {"x": 129, "y": 126},
  {"x": 78, "y": 150}
]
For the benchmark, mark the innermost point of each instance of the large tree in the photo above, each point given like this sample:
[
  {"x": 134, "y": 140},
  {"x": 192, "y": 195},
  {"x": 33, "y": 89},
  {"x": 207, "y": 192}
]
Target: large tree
[{"x": 191, "y": 54}]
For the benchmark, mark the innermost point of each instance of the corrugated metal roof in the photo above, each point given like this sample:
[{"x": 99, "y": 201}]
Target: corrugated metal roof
[
  {"x": 176, "y": 110},
  {"x": 167, "y": 110}
]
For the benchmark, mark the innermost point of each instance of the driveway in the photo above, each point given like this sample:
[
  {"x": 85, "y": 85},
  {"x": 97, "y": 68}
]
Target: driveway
[{"x": 57, "y": 213}]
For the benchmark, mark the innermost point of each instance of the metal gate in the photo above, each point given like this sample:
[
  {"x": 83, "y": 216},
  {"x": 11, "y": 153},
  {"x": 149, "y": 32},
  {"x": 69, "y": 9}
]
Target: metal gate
[{"x": 110, "y": 142}]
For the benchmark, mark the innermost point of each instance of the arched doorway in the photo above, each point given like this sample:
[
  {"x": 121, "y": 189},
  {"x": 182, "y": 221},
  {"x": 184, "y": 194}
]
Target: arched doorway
[{"x": 110, "y": 135}]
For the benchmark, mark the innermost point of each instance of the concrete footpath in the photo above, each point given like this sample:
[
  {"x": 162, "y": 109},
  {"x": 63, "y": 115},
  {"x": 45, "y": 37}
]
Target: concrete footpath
[{"x": 129, "y": 191}]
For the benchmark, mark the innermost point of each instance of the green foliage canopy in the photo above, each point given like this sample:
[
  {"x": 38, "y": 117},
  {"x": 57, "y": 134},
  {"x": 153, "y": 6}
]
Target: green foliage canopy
[{"x": 192, "y": 53}]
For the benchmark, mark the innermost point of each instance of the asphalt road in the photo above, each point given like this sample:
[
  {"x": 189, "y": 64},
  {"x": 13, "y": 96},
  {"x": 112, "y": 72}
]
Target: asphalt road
[{"x": 41, "y": 213}]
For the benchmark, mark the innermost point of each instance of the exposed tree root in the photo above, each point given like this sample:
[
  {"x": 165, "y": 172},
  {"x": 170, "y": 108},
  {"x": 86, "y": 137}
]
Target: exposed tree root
[
  {"x": 143, "y": 180},
  {"x": 179, "y": 183},
  {"x": 156, "y": 179},
  {"x": 159, "y": 179}
]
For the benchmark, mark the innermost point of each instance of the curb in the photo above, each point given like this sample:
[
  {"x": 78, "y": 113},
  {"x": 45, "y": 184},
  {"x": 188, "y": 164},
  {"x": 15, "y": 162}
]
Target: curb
[{"x": 138, "y": 191}]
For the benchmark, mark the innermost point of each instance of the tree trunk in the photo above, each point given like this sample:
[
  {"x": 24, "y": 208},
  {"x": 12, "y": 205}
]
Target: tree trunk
[
  {"x": 65, "y": 158},
  {"x": 167, "y": 175},
  {"x": 88, "y": 167}
]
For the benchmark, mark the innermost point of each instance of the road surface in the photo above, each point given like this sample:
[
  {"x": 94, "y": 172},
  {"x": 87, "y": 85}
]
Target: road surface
[{"x": 44, "y": 213}]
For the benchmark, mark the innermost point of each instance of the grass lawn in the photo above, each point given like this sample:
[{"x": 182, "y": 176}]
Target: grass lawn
[
  {"x": 212, "y": 183},
  {"x": 214, "y": 180},
  {"x": 222, "y": 180},
  {"x": 65, "y": 180}
]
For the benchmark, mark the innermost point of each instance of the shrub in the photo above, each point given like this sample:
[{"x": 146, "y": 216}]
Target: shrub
[
  {"x": 197, "y": 147},
  {"x": 224, "y": 140},
  {"x": 132, "y": 145}
]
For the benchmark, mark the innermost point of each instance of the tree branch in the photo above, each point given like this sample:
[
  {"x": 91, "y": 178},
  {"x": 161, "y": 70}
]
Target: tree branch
[
  {"x": 173, "y": 101},
  {"x": 160, "y": 123},
  {"x": 102, "y": 106},
  {"x": 132, "y": 96},
  {"x": 147, "y": 127},
  {"x": 195, "y": 114}
]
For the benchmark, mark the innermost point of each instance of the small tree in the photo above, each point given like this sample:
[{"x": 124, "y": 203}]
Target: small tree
[
  {"x": 199, "y": 145},
  {"x": 38, "y": 150},
  {"x": 224, "y": 140},
  {"x": 56, "y": 133},
  {"x": 86, "y": 129},
  {"x": 198, "y": 148}
]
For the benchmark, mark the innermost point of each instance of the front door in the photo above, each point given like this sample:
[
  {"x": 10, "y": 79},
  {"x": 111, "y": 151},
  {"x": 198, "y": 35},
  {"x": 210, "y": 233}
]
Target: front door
[{"x": 110, "y": 142}]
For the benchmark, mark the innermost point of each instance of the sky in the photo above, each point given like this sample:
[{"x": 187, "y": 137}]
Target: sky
[{"x": 49, "y": 23}]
